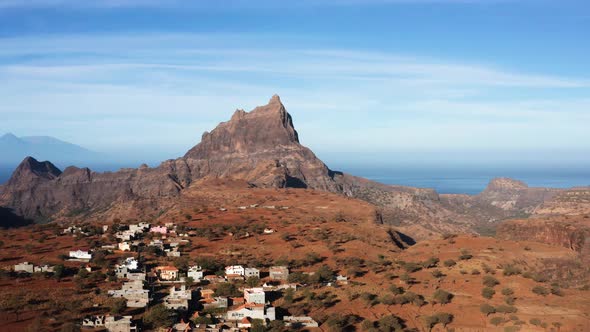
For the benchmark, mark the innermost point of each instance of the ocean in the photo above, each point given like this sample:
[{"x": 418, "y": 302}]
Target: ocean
[
  {"x": 446, "y": 180},
  {"x": 472, "y": 180}
]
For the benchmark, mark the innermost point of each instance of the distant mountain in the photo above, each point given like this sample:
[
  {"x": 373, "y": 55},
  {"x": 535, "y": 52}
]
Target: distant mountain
[{"x": 14, "y": 149}]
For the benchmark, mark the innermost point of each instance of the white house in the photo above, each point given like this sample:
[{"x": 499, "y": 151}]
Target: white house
[
  {"x": 254, "y": 295},
  {"x": 301, "y": 321},
  {"x": 251, "y": 272},
  {"x": 178, "y": 299},
  {"x": 234, "y": 270},
  {"x": 167, "y": 273},
  {"x": 252, "y": 310},
  {"x": 195, "y": 272},
  {"x": 80, "y": 254},
  {"x": 124, "y": 246},
  {"x": 24, "y": 267}
]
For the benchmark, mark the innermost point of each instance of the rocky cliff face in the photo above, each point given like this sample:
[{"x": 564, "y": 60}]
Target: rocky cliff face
[
  {"x": 569, "y": 232},
  {"x": 262, "y": 147}
]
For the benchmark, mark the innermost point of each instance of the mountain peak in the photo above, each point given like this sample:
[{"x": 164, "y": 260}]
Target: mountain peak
[
  {"x": 498, "y": 184},
  {"x": 264, "y": 128},
  {"x": 10, "y": 138},
  {"x": 32, "y": 169}
]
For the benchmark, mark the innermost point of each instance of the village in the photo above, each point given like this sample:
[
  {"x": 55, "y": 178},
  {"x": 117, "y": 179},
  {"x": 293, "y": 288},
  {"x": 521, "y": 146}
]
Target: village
[{"x": 183, "y": 295}]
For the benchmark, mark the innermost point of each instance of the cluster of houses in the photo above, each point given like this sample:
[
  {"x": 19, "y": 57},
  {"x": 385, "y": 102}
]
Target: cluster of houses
[
  {"x": 30, "y": 268},
  {"x": 233, "y": 313}
]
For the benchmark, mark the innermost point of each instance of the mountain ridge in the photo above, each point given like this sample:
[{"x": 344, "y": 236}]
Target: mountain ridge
[{"x": 262, "y": 148}]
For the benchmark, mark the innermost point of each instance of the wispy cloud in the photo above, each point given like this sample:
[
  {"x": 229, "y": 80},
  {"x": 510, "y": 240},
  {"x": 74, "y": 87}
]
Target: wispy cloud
[{"x": 172, "y": 83}]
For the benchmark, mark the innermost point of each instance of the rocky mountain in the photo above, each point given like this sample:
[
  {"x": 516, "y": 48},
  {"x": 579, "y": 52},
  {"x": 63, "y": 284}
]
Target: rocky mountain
[{"x": 262, "y": 148}]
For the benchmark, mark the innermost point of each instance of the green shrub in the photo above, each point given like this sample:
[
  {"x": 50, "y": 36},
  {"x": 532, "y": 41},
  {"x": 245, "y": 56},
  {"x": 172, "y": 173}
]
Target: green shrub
[
  {"x": 487, "y": 309},
  {"x": 507, "y": 291},
  {"x": 540, "y": 290},
  {"x": 488, "y": 292},
  {"x": 490, "y": 281},
  {"x": 449, "y": 263}
]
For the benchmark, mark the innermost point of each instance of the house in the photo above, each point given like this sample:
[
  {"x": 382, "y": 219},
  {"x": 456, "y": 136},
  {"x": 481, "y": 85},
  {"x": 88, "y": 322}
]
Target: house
[
  {"x": 122, "y": 272},
  {"x": 234, "y": 270},
  {"x": 252, "y": 310},
  {"x": 195, "y": 272},
  {"x": 80, "y": 254},
  {"x": 254, "y": 295},
  {"x": 182, "y": 327},
  {"x": 119, "y": 324},
  {"x": 342, "y": 279},
  {"x": 172, "y": 252},
  {"x": 268, "y": 231},
  {"x": 127, "y": 235},
  {"x": 93, "y": 321},
  {"x": 124, "y": 246},
  {"x": 215, "y": 303},
  {"x": 167, "y": 273},
  {"x": 133, "y": 292},
  {"x": 302, "y": 321},
  {"x": 43, "y": 268},
  {"x": 157, "y": 244},
  {"x": 278, "y": 272},
  {"x": 139, "y": 228},
  {"x": 105, "y": 228},
  {"x": 251, "y": 272},
  {"x": 213, "y": 279},
  {"x": 245, "y": 323},
  {"x": 178, "y": 299},
  {"x": 159, "y": 229},
  {"x": 24, "y": 267}
]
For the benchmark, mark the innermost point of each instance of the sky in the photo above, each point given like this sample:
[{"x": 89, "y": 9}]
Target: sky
[{"x": 372, "y": 81}]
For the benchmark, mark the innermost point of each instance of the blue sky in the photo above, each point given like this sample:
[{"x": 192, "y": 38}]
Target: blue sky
[{"x": 381, "y": 79}]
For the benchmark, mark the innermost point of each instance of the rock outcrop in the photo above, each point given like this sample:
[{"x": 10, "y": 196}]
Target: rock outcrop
[{"x": 569, "y": 232}]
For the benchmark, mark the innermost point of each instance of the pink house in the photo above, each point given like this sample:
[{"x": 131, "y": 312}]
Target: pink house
[{"x": 159, "y": 229}]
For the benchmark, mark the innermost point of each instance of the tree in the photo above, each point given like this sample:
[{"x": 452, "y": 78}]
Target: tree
[
  {"x": 257, "y": 325},
  {"x": 323, "y": 274},
  {"x": 391, "y": 323},
  {"x": 159, "y": 316},
  {"x": 226, "y": 289},
  {"x": 490, "y": 281},
  {"x": 431, "y": 262},
  {"x": 506, "y": 309},
  {"x": 442, "y": 297},
  {"x": 437, "y": 274},
  {"x": 444, "y": 318},
  {"x": 117, "y": 305},
  {"x": 540, "y": 290},
  {"x": 58, "y": 271},
  {"x": 487, "y": 309},
  {"x": 488, "y": 292},
  {"x": 511, "y": 270},
  {"x": 289, "y": 296},
  {"x": 253, "y": 281},
  {"x": 450, "y": 263},
  {"x": 189, "y": 282},
  {"x": 430, "y": 321},
  {"x": 507, "y": 291},
  {"x": 181, "y": 263},
  {"x": 497, "y": 321}
]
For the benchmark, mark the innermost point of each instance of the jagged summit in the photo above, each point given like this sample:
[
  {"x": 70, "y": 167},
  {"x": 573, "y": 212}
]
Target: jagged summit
[
  {"x": 30, "y": 169},
  {"x": 264, "y": 128}
]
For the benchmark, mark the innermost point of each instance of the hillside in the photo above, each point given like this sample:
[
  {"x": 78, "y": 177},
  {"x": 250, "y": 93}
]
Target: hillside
[{"x": 312, "y": 229}]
